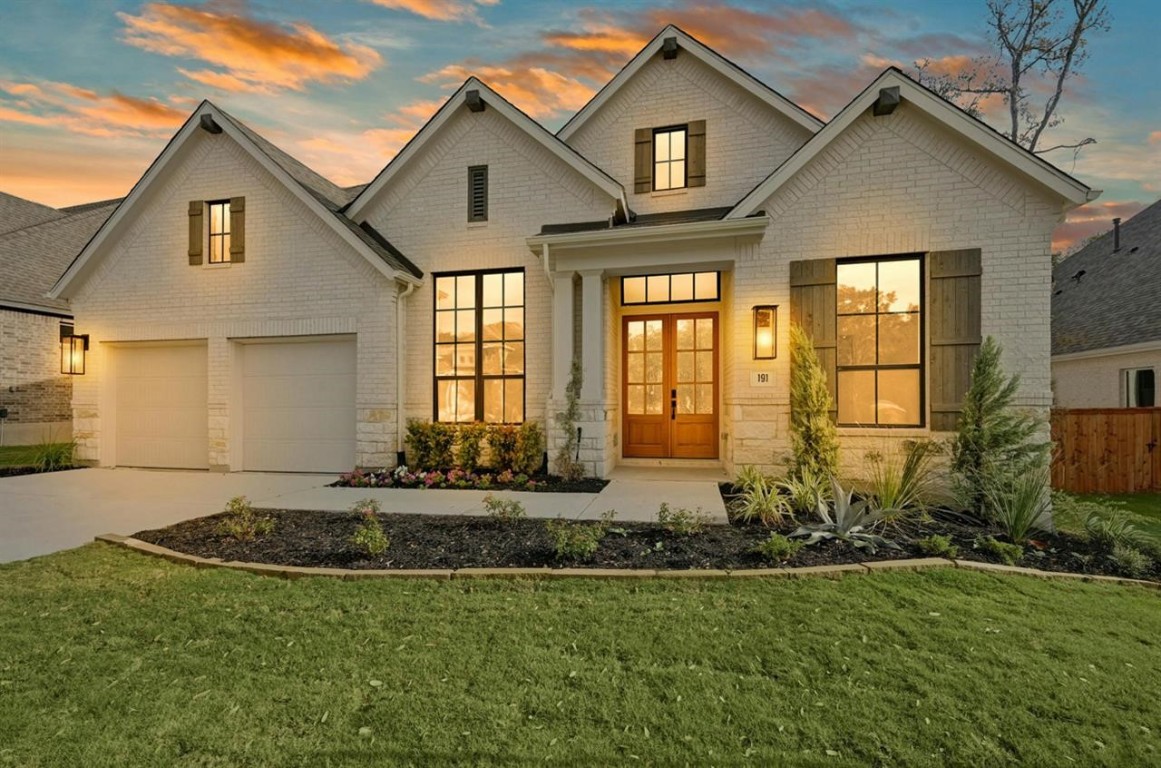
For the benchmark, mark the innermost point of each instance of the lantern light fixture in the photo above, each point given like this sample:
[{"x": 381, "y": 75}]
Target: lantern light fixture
[
  {"x": 765, "y": 332},
  {"x": 72, "y": 351}
]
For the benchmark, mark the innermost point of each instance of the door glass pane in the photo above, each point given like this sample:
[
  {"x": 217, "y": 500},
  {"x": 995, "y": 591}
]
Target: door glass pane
[
  {"x": 636, "y": 399},
  {"x": 705, "y": 366},
  {"x": 513, "y": 358},
  {"x": 636, "y": 368},
  {"x": 654, "y": 395},
  {"x": 685, "y": 333},
  {"x": 635, "y": 329},
  {"x": 705, "y": 398},
  {"x": 653, "y": 334},
  {"x": 856, "y": 397},
  {"x": 653, "y": 366},
  {"x": 465, "y": 291},
  {"x": 705, "y": 333},
  {"x": 514, "y": 290},
  {"x": 681, "y": 287},
  {"x": 493, "y": 290},
  {"x": 493, "y": 324},
  {"x": 706, "y": 287},
  {"x": 898, "y": 339},
  {"x": 856, "y": 288},
  {"x": 658, "y": 288},
  {"x": 856, "y": 340},
  {"x": 899, "y": 397},
  {"x": 633, "y": 290},
  {"x": 685, "y": 399},
  {"x": 899, "y": 286},
  {"x": 685, "y": 366}
]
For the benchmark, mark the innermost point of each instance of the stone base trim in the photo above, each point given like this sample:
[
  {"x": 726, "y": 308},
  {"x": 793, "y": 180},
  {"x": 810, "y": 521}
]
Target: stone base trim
[{"x": 824, "y": 571}]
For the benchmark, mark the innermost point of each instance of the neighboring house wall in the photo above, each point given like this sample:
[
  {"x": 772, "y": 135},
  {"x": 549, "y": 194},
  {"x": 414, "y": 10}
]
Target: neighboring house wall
[
  {"x": 32, "y": 388},
  {"x": 1097, "y": 380},
  {"x": 896, "y": 184},
  {"x": 423, "y": 210},
  {"x": 299, "y": 278},
  {"x": 746, "y": 138}
]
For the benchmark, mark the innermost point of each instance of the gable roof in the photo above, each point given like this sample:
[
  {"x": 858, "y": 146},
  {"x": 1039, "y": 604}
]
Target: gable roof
[
  {"x": 533, "y": 129},
  {"x": 321, "y": 196},
  {"x": 703, "y": 53},
  {"x": 1104, "y": 298},
  {"x": 32, "y": 258},
  {"x": 946, "y": 113},
  {"x": 18, "y": 213}
]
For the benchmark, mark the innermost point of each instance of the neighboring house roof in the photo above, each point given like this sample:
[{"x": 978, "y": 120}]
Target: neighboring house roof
[
  {"x": 32, "y": 258},
  {"x": 705, "y": 54},
  {"x": 641, "y": 220},
  {"x": 18, "y": 213},
  {"x": 495, "y": 101},
  {"x": 946, "y": 113},
  {"x": 320, "y": 195},
  {"x": 1104, "y": 298}
]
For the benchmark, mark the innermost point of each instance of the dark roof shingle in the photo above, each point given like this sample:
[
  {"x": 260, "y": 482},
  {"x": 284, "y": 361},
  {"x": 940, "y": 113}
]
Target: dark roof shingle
[{"x": 18, "y": 213}]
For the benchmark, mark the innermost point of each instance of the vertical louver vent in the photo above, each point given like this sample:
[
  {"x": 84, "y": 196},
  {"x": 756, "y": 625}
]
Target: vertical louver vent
[{"x": 478, "y": 193}]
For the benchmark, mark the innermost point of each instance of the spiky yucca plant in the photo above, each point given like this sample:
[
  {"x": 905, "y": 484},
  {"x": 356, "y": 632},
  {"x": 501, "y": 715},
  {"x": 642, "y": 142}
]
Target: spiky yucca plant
[
  {"x": 1020, "y": 504},
  {"x": 814, "y": 439}
]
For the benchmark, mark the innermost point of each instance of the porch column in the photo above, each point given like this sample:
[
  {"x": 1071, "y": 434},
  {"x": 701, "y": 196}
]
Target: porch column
[
  {"x": 592, "y": 335},
  {"x": 562, "y": 332}
]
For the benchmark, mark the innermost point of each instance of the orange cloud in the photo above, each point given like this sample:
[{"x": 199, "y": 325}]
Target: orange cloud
[
  {"x": 63, "y": 169},
  {"x": 1155, "y": 137},
  {"x": 1090, "y": 220},
  {"x": 250, "y": 55},
  {"x": 536, "y": 89},
  {"x": 82, "y": 111},
  {"x": 439, "y": 10}
]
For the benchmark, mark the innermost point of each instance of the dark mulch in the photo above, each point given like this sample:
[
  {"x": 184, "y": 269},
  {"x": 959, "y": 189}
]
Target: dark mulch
[
  {"x": 323, "y": 539},
  {"x": 15, "y": 471}
]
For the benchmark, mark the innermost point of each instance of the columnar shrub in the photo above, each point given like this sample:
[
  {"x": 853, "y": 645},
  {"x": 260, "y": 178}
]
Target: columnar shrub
[
  {"x": 813, "y": 437},
  {"x": 529, "y": 448}
]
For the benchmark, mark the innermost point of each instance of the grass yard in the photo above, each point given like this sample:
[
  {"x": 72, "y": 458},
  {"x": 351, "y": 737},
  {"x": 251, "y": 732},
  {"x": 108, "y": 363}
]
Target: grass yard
[
  {"x": 1143, "y": 509},
  {"x": 16, "y": 455},
  {"x": 113, "y": 658}
]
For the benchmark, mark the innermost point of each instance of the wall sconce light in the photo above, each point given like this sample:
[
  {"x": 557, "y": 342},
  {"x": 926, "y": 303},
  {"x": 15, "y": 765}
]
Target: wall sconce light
[
  {"x": 765, "y": 332},
  {"x": 72, "y": 352}
]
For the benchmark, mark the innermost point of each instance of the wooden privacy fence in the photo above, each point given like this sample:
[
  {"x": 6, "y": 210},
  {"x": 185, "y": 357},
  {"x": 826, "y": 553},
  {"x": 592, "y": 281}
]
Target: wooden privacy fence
[{"x": 1107, "y": 450}]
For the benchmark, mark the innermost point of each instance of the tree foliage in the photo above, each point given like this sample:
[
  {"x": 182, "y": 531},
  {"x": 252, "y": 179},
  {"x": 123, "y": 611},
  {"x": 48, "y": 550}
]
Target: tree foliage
[
  {"x": 1039, "y": 45},
  {"x": 813, "y": 437}
]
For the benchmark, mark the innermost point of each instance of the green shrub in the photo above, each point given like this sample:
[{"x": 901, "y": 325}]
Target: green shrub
[
  {"x": 369, "y": 536},
  {"x": 470, "y": 446},
  {"x": 241, "y": 523},
  {"x": 503, "y": 510},
  {"x": 1131, "y": 561},
  {"x": 806, "y": 492},
  {"x": 49, "y": 457},
  {"x": 760, "y": 499},
  {"x": 682, "y": 521},
  {"x": 905, "y": 484},
  {"x": 813, "y": 437},
  {"x": 1010, "y": 554},
  {"x": 994, "y": 441},
  {"x": 778, "y": 548},
  {"x": 1109, "y": 531},
  {"x": 430, "y": 445},
  {"x": 1020, "y": 504},
  {"x": 504, "y": 444},
  {"x": 938, "y": 546},
  {"x": 529, "y": 448},
  {"x": 851, "y": 521},
  {"x": 577, "y": 541}
]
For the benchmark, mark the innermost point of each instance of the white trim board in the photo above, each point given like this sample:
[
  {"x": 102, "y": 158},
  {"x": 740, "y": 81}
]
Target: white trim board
[{"x": 1126, "y": 349}]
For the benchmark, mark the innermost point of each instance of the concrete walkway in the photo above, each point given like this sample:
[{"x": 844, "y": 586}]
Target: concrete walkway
[{"x": 40, "y": 514}]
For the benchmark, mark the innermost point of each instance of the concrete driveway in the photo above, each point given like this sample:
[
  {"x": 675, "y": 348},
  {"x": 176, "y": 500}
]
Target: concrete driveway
[{"x": 41, "y": 514}]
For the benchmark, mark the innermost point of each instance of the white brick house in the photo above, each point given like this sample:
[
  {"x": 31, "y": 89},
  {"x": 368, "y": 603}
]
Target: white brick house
[{"x": 244, "y": 313}]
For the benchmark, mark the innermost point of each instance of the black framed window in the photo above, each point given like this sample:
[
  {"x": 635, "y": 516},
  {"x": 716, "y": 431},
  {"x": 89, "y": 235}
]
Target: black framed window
[
  {"x": 669, "y": 157},
  {"x": 674, "y": 288},
  {"x": 219, "y": 231},
  {"x": 1140, "y": 388},
  {"x": 880, "y": 342},
  {"x": 479, "y": 346},
  {"x": 478, "y": 193}
]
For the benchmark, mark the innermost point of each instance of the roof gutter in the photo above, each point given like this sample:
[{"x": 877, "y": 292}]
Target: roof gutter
[{"x": 696, "y": 230}]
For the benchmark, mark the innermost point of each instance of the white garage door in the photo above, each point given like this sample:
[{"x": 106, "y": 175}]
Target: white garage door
[
  {"x": 299, "y": 406},
  {"x": 161, "y": 406}
]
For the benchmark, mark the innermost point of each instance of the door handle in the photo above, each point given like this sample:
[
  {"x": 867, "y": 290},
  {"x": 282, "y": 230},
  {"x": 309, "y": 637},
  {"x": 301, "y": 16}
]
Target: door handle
[{"x": 673, "y": 405}]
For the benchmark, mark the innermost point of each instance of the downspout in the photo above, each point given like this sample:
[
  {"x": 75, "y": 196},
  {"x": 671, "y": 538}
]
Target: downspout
[{"x": 406, "y": 290}]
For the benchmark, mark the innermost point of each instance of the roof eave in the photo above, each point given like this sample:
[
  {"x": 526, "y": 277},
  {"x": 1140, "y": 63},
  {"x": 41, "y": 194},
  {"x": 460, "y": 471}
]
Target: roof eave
[{"x": 697, "y": 230}]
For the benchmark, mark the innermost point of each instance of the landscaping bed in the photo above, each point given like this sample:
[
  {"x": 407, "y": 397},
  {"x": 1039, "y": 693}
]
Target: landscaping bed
[
  {"x": 466, "y": 480},
  {"x": 15, "y": 471},
  {"x": 324, "y": 539}
]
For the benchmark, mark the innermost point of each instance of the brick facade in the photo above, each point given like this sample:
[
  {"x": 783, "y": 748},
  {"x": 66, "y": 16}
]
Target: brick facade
[{"x": 32, "y": 388}]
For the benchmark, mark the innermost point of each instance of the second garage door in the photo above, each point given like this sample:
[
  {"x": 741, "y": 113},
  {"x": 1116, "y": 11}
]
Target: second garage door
[
  {"x": 299, "y": 405},
  {"x": 161, "y": 406}
]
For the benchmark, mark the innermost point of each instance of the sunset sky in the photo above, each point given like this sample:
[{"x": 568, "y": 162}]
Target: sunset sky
[{"x": 90, "y": 90}]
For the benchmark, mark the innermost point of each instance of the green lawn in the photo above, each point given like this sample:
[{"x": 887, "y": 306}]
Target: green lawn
[
  {"x": 113, "y": 658},
  {"x": 16, "y": 455},
  {"x": 1143, "y": 509}
]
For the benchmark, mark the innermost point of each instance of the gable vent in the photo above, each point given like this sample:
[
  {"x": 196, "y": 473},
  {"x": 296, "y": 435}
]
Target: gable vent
[{"x": 478, "y": 193}]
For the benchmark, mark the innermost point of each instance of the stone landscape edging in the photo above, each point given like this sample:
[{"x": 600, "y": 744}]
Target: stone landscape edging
[{"x": 444, "y": 574}]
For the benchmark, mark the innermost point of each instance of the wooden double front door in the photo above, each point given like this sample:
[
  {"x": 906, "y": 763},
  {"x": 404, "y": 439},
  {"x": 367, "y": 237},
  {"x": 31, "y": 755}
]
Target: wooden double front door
[{"x": 669, "y": 372}]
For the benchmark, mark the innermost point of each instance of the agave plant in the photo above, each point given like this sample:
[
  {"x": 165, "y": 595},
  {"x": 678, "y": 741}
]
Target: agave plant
[{"x": 851, "y": 521}]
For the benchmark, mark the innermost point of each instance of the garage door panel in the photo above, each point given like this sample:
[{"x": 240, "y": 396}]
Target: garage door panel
[
  {"x": 299, "y": 406},
  {"x": 161, "y": 418}
]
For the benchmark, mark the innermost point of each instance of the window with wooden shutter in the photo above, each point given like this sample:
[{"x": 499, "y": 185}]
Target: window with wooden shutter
[
  {"x": 643, "y": 160},
  {"x": 812, "y": 307},
  {"x": 196, "y": 233},
  {"x": 237, "y": 230},
  {"x": 696, "y": 167},
  {"x": 954, "y": 311},
  {"x": 478, "y": 193},
  {"x": 219, "y": 237}
]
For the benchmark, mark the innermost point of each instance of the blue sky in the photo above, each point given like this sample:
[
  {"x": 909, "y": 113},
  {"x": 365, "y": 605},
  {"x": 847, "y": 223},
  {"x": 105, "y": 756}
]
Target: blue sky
[{"x": 91, "y": 90}]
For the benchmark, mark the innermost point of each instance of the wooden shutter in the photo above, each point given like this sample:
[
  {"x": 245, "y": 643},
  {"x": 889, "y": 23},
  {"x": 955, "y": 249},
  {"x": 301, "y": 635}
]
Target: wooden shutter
[
  {"x": 812, "y": 306},
  {"x": 196, "y": 231},
  {"x": 695, "y": 170},
  {"x": 954, "y": 319},
  {"x": 643, "y": 160},
  {"x": 478, "y": 193},
  {"x": 237, "y": 230}
]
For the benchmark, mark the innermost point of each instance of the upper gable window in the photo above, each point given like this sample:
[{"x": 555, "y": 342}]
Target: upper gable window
[
  {"x": 478, "y": 193},
  {"x": 219, "y": 231},
  {"x": 669, "y": 154}
]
